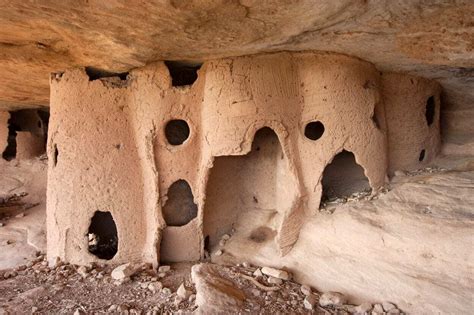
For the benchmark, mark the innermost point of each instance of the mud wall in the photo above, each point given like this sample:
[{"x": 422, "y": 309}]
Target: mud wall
[
  {"x": 412, "y": 108},
  {"x": 146, "y": 150},
  {"x": 29, "y": 145},
  {"x": 94, "y": 165}
]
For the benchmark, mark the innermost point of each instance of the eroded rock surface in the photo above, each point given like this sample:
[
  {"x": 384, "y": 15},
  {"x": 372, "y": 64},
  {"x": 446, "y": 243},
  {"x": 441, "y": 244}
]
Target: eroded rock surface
[
  {"x": 432, "y": 39},
  {"x": 412, "y": 244},
  {"x": 215, "y": 294}
]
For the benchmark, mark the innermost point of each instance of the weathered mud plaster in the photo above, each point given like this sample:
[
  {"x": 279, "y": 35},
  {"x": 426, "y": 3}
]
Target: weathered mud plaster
[
  {"x": 412, "y": 109},
  {"x": 108, "y": 150},
  {"x": 4, "y": 116},
  {"x": 28, "y": 145}
]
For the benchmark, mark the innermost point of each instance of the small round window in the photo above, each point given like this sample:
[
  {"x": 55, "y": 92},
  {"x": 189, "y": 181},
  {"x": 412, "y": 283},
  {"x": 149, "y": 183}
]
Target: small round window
[
  {"x": 177, "y": 131},
  {"x": 314, "y": 130}
]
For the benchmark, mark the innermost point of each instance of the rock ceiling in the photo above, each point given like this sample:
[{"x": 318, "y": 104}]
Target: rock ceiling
[{"x": 433, "y": 39}]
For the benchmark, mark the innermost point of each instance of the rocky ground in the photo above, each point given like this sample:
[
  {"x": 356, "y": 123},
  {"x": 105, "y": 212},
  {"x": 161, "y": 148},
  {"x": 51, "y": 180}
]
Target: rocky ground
[{"x": 181, "y": 288}]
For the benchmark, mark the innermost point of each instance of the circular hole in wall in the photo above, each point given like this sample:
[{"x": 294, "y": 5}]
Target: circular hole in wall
[
  {"x": 176, "y": 131},
  {"x": 314, "y": 130},
  {"x": 430, "y": 110},
  {"x": 102, "y": 235},
  {"x": 422, "y": 155}
]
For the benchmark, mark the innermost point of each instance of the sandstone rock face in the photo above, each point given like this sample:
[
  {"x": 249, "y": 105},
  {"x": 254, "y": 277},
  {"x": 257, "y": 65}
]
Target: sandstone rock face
[
  {"x": 215, "y": 294},
  {"x": 432, "y": 39},
  {"x": 412, "y": 244}
]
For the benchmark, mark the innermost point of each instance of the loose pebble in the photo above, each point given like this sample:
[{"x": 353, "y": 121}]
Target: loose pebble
[
  {"x": 387, "y": 306},
  {"x": 164, "y": 269},
  {"x": 310, "y": 301},
  {"x": 305, "y": 289},
  {"x": 332, "y": 299},
  {"x": 363, "y": 308},
  {"x": 277, "y": 273}
]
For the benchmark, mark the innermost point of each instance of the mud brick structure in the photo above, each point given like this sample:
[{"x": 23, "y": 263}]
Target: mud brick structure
[{"x": 163, "y": 161}]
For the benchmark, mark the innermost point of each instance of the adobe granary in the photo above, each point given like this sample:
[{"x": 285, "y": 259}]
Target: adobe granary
[{"x": 254, "y": 143}]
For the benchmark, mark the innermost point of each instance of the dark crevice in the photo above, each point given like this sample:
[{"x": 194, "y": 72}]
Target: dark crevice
[
  {"x": 375, "y": 116},
  {"x": 95, "y": 74},
  {"x": 44, "y": 117},
  {"x": 422, "y": 155},
  {"x": 430, "y": 110},
  {"x": 182, "y": 73},
  {"x": 10, "y": 151},
  {"x": 55, "y": 155}
]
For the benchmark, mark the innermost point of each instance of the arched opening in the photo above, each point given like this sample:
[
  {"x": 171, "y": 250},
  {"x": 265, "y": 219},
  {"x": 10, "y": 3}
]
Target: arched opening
[
  {"x": 179, "y": 208},
  {"x": 430, "y": 110},
  {"x": 342, "y": 178},
  {"x": 179, "y": 240},
  {"x": 246, "y": 195},
  {"x": 102, "y": 235},
  {"x": 177, "y": 131}
]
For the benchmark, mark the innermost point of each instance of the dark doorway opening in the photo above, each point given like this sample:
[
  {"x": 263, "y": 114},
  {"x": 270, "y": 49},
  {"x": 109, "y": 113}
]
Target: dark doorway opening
[
  {"x": 102, "y": 235},
  {"x": 182, "y": 73},
  {"x": 179, "y": 208},
  {"x": 343, "y": 177}
]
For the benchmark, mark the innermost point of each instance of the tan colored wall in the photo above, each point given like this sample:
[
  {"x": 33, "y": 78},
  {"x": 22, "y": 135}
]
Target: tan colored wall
[
  {"x": 94, "y": 165},
  {"x": 112, "y": 153},
  {"x": 4, "y": 116},
  {"x": 28, "y": 145},
  {"x": 405, "y": 99}
]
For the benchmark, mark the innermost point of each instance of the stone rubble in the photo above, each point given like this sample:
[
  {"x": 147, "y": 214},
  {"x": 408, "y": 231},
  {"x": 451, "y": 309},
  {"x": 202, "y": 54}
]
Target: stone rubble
[
  {"x": 273, "y": 280},
  {"x": 387, "y": 306},
  {"x": 123, "y": 272},
  {"x": 363, "y": 308},
  {"x": 305, "y": 289},
  {"x": 277, "y": 273},
  {"x": 182, "y": 292},
  {"x": 213, "y": 292},
  {"x": 332, "y": 299},
  {"x": 164, "y": 269},
  {"x": 377, "y": 309},
  {"x": 310, "y": 301}
]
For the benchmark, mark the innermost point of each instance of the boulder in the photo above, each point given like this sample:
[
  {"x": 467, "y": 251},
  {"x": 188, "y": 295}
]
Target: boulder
[{"x": 215, "y": 294}]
